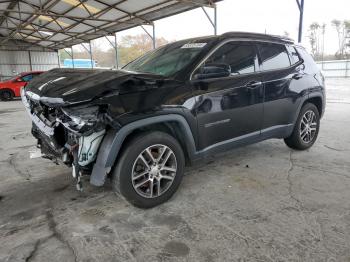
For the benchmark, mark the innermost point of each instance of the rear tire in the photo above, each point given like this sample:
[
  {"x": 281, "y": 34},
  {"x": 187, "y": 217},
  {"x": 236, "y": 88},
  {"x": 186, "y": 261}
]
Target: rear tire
[
  {"x": 6, "y": 95},
  {"x": 306, "y": 128},
  {"x": 149, "y": 170}
]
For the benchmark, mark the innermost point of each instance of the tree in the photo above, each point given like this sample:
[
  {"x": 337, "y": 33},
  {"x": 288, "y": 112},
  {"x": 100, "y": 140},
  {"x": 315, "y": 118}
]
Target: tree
[
  {"x": 347, "y": 38},
  {"x": 64, "y": 55},
  {"x": 286, "y": 34},
  {"x": 343, "y": 30},
  {"x": 314, "y": 37},
  {"x": 323, "y": 31},
  {"x": 129, "y": 48}
]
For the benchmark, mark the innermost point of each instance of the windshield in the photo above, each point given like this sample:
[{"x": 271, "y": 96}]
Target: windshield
[{"x": 167, "y": 60}]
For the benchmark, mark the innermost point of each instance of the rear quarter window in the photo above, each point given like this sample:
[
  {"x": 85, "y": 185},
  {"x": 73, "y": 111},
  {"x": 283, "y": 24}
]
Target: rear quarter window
[
  {"x": 310, "y": 65},
  {"x": 273, "y": 56},
  {"x": 295, "y": 58}
]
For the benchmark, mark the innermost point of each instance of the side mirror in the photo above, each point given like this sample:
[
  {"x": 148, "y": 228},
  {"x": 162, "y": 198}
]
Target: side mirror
[{"x": 213, "y": 70}]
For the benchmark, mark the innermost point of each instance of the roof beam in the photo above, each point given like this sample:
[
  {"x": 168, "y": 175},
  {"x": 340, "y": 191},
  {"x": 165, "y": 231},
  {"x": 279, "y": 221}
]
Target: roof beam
[
  {"x": 11, "y": 5},
  {"x": 54, "y": 15},
  {"x": 197, "y": 3},
  {"x": 47, "y": 6},
  {"x": 32, "y": 31},
  {"x": 75, "y": 19},
  {"x": 120, "y": 20}
]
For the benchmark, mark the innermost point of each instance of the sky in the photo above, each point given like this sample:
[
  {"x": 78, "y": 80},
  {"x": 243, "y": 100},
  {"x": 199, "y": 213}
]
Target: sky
[{"x": 270, "y": 16}]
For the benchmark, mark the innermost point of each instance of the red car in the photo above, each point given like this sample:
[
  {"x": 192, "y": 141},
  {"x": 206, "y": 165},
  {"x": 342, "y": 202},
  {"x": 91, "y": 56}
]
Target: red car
[{"x": 12, "y": 88}]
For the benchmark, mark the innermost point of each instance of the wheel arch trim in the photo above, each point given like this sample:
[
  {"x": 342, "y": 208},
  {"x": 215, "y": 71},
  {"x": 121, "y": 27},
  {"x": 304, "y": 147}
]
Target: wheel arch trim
[
  {"x": 305, "y": 99},
  {"x": 114, "y": 139},
  {"x": 321, "y": 96}
]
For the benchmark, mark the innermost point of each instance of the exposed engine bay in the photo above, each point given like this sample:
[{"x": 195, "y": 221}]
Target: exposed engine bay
[{"x": 68, "y": 135}]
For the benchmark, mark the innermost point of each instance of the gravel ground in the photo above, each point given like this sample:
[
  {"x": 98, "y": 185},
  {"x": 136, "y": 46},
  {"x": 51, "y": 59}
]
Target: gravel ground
[{"x": 263, "y": 202}]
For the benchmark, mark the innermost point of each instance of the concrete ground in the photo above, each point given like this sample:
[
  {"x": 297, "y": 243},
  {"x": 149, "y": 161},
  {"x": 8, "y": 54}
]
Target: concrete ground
[{"x": 264, "y": 202}]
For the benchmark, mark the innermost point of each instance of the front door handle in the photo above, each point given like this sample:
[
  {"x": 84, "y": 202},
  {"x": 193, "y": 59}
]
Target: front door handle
[{"x": 253, "y": 84}]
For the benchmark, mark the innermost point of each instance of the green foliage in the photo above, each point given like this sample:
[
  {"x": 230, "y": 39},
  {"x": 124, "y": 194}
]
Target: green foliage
[
  {"x": 343, "y": 31},
  {"x": 316, "y": 38},
  {"x": 63, "y": 54},
  {"x": 315, "y": 32},
  {"x": 129, "y": 48}
]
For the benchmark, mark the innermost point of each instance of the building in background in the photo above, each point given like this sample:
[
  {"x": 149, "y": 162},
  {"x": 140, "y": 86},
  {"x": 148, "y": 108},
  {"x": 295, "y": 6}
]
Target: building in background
[{"x": 18, "y": 56}]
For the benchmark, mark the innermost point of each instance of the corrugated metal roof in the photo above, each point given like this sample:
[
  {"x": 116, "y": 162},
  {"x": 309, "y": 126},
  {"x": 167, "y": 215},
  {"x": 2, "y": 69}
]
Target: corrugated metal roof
[{"x": 57, "y": 24}]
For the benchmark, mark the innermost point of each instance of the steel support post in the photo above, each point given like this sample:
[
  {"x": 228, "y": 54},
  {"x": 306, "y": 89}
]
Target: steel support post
[
  {"x": 89, "y": 51},
  {"x": 91, "y": 59},
  {"x": 115, "y": 47},
  {"x": 153, "y": 36},
  {"x": 30, "y": 61},
  {"x": 58, "y": 59},
  {"x": 300, "y": 4},
  {"x": 72, "y": 56},
  {"x": 116, "y": 51},
  {"x": 215, "y": 21},
  {"x": 212, "y": 22}
]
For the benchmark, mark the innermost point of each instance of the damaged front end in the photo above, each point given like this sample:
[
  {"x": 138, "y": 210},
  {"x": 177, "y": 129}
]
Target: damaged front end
[
  {"x": 71, "y": 134},
  {"x": 75, "y": 112}
]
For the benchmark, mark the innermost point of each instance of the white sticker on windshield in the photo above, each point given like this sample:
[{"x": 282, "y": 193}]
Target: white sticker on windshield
[{"x": 194, "y": 45}]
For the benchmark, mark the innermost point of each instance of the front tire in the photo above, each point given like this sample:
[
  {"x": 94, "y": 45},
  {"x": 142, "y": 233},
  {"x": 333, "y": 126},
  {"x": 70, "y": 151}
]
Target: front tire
[
  {"x": 149, "y": 170},
  {"x": 6, "y": 95},
  {"x": 306, "y": 128}
]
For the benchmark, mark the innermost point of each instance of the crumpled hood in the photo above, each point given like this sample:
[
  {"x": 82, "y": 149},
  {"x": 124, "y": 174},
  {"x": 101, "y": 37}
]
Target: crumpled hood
[{"x": 60, "y": 87}]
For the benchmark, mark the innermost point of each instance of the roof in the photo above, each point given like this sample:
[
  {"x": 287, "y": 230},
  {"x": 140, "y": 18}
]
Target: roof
[
  {"x": 57, "y": 24},
  {"x": 258, "y": 36}
]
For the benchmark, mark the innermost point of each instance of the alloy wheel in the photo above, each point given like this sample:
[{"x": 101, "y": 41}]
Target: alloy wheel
[
  {"x": 154, "y": 171},
  {"x": 6, "y": 95},
  {"x": 308, "y": 126}
]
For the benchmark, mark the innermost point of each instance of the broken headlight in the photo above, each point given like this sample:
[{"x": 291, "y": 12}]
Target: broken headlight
[{"x": 81, "y": 117}]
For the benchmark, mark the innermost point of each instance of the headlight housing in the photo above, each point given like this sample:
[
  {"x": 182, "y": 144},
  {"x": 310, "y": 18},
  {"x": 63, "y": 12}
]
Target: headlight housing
[{"x": 81, "y": 118}]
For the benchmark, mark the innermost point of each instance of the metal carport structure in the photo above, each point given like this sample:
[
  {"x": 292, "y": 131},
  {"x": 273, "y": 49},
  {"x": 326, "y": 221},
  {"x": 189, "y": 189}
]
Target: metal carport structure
[{"x": 58, "y": 24}]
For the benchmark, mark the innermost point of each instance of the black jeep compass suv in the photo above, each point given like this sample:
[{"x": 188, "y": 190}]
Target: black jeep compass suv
[{"x": 179, "y": 103}]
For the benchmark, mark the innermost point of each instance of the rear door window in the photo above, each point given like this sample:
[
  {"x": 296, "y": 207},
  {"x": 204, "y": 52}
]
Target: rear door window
[{"x": 273, "y": 56}]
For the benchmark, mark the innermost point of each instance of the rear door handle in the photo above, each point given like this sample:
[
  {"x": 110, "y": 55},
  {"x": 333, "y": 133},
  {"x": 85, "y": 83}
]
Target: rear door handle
[{"x": 253, "y": 84}]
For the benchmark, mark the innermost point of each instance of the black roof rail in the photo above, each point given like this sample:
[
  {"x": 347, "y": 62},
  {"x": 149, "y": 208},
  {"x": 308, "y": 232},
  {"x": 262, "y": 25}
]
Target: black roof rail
[{"x": 259, "y": 36}]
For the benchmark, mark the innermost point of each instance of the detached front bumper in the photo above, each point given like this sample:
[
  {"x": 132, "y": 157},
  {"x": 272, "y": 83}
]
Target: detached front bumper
[
  {"x": 46, "y": 129},
  {"x": 57, "y": 142}
]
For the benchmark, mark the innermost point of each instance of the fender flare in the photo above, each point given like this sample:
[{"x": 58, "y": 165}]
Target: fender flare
[
  {"x": 321, "y": 95},
  {"x": 305, "y": 98},
  {"x": 114, "y": 139}
]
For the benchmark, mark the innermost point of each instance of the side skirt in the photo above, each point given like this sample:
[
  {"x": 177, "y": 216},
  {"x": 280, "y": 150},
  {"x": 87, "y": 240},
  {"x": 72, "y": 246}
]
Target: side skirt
[{"x": 280, "y": 131}]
